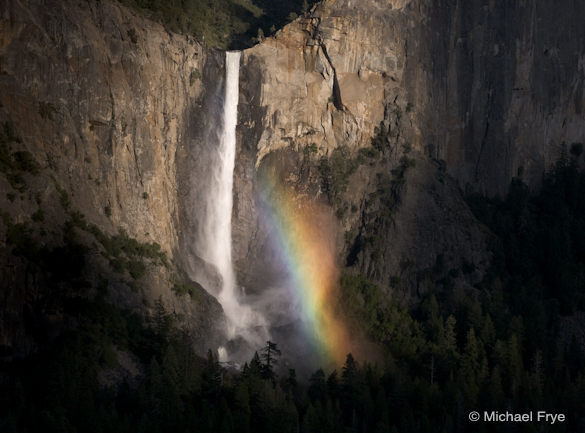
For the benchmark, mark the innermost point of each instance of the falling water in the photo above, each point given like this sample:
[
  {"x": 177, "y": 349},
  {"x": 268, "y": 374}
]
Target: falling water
[{"x": 243, "y": 322}]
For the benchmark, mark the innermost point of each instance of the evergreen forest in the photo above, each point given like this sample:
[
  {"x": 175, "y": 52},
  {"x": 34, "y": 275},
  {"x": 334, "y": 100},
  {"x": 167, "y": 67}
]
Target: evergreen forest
[{"x": 510, "y": 344}]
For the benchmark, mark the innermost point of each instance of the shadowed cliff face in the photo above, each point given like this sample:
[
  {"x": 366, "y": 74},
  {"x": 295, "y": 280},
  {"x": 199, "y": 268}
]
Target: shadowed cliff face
[
  {"x": 490, "y": 87},
  {"x": 505, "y": 84},
  {"x": 480, "y": 91}
]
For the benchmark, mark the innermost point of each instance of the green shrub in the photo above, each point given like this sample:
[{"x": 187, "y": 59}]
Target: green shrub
[
  {"x": 38, "y": 216},
  {"x": 132, "y": 35},
  {"x": 136, "y": 268},
  {"x": 46, "y": 110},
  {"x": 63, "y": 197},
  {"x": 16, "y": 181},
  {"x": 5, "y": 149},
  {"x": 78, "y": 220},
  {"x": 191, "y": 288},
  {"x": 124, "y": 253},
  {"x": 9, "y": 133},
  {"x": 121, "y": 245},
  {"x": 118, "y": 264},
  {"x": 336, "y": 170},
  {"x": 14, "y": 164},
  {"x": 368, "y": 153},
  {"x": 24, "y": 161},
  {"x": 380, "y": 141},
  {"x": 311, "y": 149},
  {"x": 20, "y": 237},
  {"x": 194, "y": 75}
]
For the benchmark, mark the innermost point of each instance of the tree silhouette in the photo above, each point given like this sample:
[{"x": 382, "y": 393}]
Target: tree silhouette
[{"x": 270, "y": 352}]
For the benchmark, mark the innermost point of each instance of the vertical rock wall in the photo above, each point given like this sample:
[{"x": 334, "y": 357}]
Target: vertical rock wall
[
  {"x": 492, "y": 88},
  {"x": 482, "y": 91},
  {"x": 108, "y": 103},
  {"x": 503, "y": 86}
]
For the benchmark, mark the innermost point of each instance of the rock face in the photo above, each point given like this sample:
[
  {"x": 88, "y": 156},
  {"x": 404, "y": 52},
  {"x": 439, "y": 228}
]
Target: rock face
[
  {"x": 100, "y": 97},
  {"x": 458, "y": 95},
  {"x": 105, "y": 101},
  {"x": 485, "y": 90},
  {"x": 491, "y": 88},
  {"x": 505, "y": 86}
]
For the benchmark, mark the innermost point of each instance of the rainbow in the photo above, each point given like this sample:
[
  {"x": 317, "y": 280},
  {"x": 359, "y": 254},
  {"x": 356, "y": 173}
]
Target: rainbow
[{"x": 302, "y": 231}]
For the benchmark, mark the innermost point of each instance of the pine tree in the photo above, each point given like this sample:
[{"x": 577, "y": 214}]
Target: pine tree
[
  {"x": 269, "y": 356},
  {"x": 317, "y": 386},
  {"x": 242, "y": 408},
  {"x": 290, "y": 385},
  {"x": 495, "y": 397},
  {"x": 211, "y": 377},
  {"x": 350, "y": 391},
  {"x": 515, "y": 364},
  {"x": 162, "y": 320},
  {"x": 488, "y": 332},
  {"x": 333, "y": 386},
  {"x": 450, "y": 337},
  {"x": 471, "y": 367}
]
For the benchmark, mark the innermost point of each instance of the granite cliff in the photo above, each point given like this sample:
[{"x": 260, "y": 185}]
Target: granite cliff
[
  {"x": 104, "y": 100},
  {"x": 387, "y": 112},
  {"x": 461, "y": 97}
]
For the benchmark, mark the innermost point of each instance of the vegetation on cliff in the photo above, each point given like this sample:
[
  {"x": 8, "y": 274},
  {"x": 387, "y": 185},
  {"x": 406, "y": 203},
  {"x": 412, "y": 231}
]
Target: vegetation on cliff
[
  {"x": 233, "y": 24},
  {"x": 14, "y": 164}
]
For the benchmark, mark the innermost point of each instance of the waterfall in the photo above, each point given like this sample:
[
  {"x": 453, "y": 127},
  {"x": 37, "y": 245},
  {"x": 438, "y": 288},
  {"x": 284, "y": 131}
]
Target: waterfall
[
  {"x": 219, "y": 218},
  {"x": 243, "y": 321}
]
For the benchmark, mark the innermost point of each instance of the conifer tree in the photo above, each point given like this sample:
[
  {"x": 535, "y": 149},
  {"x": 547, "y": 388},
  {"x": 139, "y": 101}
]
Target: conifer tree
[
  {"x": 317, "y": 386},
  {"x": 270, "y": 354}
]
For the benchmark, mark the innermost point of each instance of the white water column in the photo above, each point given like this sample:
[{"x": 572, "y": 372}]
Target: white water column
[{"x": 242, "y": 320}]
